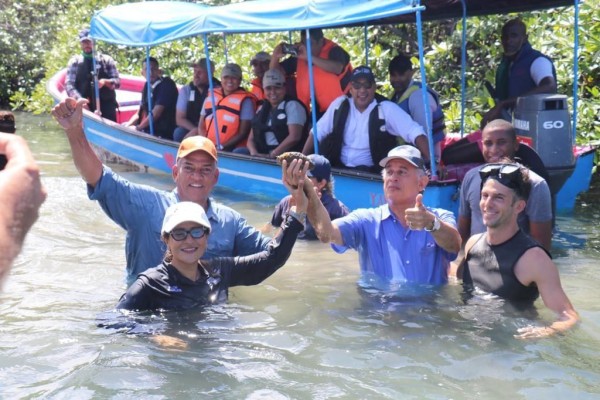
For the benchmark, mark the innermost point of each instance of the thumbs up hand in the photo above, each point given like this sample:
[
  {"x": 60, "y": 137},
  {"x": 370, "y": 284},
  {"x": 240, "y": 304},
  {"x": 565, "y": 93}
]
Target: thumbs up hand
[{"x": 418, "y": 217}]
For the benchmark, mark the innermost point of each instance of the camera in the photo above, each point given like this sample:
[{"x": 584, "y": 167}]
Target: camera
[{"x": 290, "y": 49}]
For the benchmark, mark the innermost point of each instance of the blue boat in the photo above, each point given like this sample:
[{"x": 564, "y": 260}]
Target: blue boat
[{"x": 151, "y": 23}]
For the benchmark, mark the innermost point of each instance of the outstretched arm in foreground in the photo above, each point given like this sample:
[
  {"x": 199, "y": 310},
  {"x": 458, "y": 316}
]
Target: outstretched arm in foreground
[
  {"x": 536, "y": 267},
  {"x": 21, "y": 195},
  {"x": 68, "y": 113}
]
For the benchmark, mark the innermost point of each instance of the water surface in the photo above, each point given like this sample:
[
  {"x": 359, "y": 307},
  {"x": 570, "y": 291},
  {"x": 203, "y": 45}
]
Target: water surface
[{"x": 308, "y": 332}]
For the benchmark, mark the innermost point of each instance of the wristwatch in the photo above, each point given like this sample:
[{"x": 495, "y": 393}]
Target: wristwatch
[{"x": 436, "y": 225}]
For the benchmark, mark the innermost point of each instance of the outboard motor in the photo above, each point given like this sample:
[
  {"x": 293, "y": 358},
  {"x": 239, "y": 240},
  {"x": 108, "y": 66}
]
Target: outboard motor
[{"x": 543, "y": 122}]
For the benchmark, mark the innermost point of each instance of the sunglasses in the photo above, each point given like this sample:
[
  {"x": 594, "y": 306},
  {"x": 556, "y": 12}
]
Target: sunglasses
[
  {"x": 365, "y": 85},
  {"x": 195, "y": 233},
  {"x": 507, "y": 174}
]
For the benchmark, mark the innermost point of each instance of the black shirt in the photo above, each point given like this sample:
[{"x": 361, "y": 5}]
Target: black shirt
[{"x": 163, "y": 287}]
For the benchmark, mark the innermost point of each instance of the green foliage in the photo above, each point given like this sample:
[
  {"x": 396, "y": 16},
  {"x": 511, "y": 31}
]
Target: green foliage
[{"x": 37, "y": 44}]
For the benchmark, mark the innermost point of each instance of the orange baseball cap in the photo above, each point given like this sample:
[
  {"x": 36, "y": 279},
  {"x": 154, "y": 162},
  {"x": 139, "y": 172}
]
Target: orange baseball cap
[{"x": 197, "y": 143}]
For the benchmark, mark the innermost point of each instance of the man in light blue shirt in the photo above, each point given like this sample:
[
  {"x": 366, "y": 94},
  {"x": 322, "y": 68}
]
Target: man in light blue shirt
[
  {"x": 139, "y": 209},
  {"x": 401, "y": 241}
]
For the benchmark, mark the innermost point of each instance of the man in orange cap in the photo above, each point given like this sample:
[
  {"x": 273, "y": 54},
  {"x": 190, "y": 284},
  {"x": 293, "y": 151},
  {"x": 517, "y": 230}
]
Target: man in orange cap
[{"x": 140, "y": 209}]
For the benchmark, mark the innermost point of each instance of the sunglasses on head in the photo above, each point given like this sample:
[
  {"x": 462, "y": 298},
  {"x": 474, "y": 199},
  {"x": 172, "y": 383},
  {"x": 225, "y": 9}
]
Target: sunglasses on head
[
  {"x": 195, "y": 233},
  {"x": 507, "y": 174},
  {"x": 364, "y": 85}
]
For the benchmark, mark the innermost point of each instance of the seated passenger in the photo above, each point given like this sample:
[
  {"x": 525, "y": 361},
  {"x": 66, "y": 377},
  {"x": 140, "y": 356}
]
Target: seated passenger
[
  {"x": 280, "y": 123},
  {"x": 191, "y": 99},
  {"x": 408, "y": 96},
  {"x": 499, "y": 141},
  {"x": 235, "y": 108},
  {"x": 358, "y": 131},
  {"x": 164, "y": 100},
  {"x": 183, "y": 281},
  {"x": 321, "y": 178},
  {"x": 260, "y": 64},
  {"x": 522, "y": 71}
]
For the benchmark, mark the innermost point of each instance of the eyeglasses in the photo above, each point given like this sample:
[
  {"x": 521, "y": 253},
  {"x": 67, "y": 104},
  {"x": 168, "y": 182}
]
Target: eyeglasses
[
  {"x": 365, "y": 85},
  {"x": 507, "y": 174},
  {"x": 195, "y": 233}
]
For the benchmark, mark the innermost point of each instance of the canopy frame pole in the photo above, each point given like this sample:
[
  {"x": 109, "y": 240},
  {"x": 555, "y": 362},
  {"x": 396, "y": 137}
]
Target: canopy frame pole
[
  {"x": 366, "y": 35},
  {"x": 95, "y": 75},
  {"x": 211, "y": 88},
  {"x": 575, "y": 69},
  {"x": 225, "y": 50},
  {"x": 311, "y": 82},
  {"x": 425, "y": 94},
  {"x": 463, "y": 66},
  {"x": 149, "y": 94}
]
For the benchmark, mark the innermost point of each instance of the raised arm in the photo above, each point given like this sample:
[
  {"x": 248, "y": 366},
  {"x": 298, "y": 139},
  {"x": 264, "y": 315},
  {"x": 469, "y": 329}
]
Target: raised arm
[
  {"x": 253, "y": 269},
  {"x": 319, "y": 218},
  {"x": 69, "y": 114}
]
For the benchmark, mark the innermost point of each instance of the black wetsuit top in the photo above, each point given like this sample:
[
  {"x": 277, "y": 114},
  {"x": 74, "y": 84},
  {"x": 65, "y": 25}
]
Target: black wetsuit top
[
  {"x": 163, "y": 287},
  {"x": 492, "y": 267}
]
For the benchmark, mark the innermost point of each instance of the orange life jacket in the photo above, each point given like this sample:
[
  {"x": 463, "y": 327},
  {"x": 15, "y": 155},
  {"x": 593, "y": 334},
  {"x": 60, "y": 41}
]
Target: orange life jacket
[
  {"x": 328, "y": 86},
  {"x": 257, "y": 89},
  {"x": 228, "y": 111}
]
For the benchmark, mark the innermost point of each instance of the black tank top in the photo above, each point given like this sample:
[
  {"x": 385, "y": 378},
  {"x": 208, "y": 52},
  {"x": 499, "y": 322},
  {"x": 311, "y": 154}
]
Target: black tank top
[{"x": 491, "y": 267}]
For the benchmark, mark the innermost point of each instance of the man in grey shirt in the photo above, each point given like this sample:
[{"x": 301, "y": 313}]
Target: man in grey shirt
[{"x": 499, "y": 141}]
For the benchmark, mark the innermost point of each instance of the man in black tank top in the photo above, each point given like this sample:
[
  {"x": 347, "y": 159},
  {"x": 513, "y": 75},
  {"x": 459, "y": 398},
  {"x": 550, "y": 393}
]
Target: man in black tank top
[{"x": 507, "y": 262}]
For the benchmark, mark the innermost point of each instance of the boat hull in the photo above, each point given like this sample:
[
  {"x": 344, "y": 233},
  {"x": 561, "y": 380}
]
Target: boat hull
[{"x": 261, "y": 177}]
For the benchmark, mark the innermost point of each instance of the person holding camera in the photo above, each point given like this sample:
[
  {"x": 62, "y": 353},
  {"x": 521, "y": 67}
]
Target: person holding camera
[{"x": 331, "y": 68}]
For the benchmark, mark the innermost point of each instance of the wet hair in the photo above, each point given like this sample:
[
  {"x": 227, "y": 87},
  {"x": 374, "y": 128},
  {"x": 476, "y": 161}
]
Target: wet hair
[
  {"x": 512, "y": 175},
  {"x": 401, "y": 63},
  {"x": 168, "y": 257},
  {"x": 7, "y": 122}
]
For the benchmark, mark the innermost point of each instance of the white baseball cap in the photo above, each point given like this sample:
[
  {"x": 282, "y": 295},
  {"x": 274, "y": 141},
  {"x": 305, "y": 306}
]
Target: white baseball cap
[{"x": 184, "y": 211}]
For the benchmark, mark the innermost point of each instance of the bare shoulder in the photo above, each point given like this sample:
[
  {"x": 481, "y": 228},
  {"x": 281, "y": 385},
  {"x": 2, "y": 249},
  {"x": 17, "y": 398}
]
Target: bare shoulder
[
  {"x": 534, "y": 265},
  {"x": 472, "y": 240}
]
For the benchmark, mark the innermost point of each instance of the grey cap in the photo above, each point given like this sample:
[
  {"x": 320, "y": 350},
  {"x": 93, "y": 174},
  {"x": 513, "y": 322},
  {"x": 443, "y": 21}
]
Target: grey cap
[
  {"x": 261, "y": 56},
  {"x": 404, "y": 152},
  {"x": 273, "y": 77},
  {"x": 232, "y": 69},
  {"x": 84, "y": 34}
]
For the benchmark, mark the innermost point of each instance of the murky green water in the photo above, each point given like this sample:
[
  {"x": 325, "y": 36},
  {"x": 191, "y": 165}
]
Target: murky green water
[{"x": 307, "y": 332}]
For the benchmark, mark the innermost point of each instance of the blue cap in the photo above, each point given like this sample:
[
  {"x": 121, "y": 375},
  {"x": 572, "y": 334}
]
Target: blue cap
[
  {"x": 362, "y": 72},
  {"x": 322, "y": 169}
]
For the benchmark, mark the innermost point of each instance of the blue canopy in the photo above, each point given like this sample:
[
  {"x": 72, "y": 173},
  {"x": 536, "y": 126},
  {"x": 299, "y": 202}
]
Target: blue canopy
[
  {"x": 152, "y": 23},
  {"x": 155, "y": 22}
]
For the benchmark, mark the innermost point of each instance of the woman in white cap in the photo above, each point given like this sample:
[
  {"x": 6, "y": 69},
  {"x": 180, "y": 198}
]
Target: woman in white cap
[
  {"x": 183, "y": 281},
  {"x": 280, "y": 124}
]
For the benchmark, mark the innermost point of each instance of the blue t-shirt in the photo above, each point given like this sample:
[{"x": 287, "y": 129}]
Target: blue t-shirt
[
  {"x": 389, "y": 251},
  {"x": 140, "y": 209}
]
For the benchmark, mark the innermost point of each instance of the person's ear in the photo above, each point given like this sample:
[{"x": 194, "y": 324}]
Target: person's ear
[
  {"x": 423, "y": 181},
  {"x": 520, "y": 206}
]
